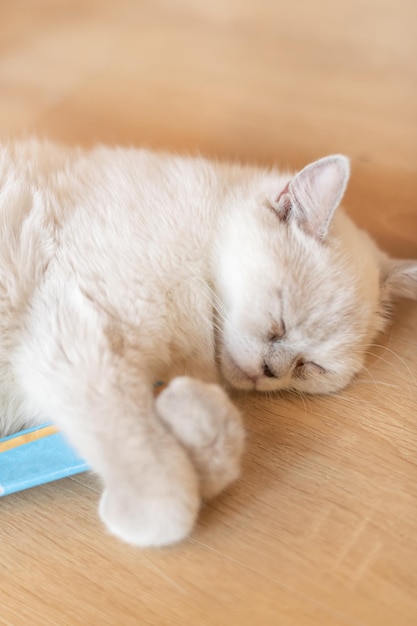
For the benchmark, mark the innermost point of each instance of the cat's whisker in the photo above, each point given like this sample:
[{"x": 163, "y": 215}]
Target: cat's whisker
[
  {"x": 270, "y": 397},
  {"x": 351, "y": 402},
  {"x": 350, "y": 398},
  {"x": 401, "y": 360},
  {"x": 373, "y": 381},
  {"x": 367, "y": 370},
  {"x": 407, "y": 342},
  {"x": 376, "y": 383},
  {"x": 379, "y": 357},
  {"x": 295, "y": 394}
]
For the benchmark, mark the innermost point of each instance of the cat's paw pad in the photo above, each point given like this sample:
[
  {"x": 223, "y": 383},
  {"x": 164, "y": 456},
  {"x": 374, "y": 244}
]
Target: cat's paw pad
[
  {"x": 209, "y": 426},
  {"x": 149, "y": 520}
]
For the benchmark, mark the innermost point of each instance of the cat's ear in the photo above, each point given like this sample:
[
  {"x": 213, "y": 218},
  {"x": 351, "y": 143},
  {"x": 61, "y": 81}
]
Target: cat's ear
[
  {"x": 311, "y": 197},
  {"x": 399, "y": 279}
]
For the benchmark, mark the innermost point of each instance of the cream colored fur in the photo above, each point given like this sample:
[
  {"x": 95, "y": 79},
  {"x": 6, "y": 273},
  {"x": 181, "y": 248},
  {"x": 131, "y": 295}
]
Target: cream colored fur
[{"x": 120, "y": 268}]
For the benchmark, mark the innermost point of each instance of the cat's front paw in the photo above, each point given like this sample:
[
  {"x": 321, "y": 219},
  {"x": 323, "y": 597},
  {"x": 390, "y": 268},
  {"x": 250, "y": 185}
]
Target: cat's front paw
[
  {"x": 153, "y": 514},
  {"x": 209, "y": 426}
]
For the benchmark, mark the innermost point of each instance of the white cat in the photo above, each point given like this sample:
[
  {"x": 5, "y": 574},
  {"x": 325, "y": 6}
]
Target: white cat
[{"x": 120, "y": 268}]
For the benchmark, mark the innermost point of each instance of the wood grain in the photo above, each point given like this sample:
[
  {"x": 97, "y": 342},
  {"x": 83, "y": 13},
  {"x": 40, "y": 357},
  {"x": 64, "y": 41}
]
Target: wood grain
[{"x": 322, "y": 528}]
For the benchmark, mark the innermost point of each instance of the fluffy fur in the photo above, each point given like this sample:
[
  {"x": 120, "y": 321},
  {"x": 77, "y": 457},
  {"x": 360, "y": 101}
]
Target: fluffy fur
[{"x": 119, "y": 268}]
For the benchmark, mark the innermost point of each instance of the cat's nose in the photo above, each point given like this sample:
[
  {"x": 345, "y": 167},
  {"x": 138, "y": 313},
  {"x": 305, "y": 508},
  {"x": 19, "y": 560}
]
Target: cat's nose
[{"x": 267, "y": 372}]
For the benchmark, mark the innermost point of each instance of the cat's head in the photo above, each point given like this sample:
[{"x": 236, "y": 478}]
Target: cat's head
[{"x": 303, "y": 291}]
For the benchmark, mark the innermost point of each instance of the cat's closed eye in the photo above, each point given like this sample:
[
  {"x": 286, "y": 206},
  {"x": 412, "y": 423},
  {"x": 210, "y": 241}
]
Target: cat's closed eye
[
  {"x": 277, "y": 331},
  {"x": 303, "y": 368}
]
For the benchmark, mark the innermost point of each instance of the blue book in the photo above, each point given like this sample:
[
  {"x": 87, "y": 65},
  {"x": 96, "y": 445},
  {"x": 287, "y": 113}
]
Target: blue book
[{"x": 36, "y": 456}]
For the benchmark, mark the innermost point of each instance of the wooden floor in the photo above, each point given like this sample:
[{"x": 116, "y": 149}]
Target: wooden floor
[{"x": 322, "y": 528}]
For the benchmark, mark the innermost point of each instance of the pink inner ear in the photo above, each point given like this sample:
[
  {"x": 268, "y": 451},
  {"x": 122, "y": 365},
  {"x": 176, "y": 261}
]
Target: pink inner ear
[
  {"x": 284, "y": 191},
  {"x": 284, "y": 203}
]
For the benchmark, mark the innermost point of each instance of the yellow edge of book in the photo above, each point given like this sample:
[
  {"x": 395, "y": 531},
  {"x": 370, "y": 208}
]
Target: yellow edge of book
[{"x": 20, "y": 440}]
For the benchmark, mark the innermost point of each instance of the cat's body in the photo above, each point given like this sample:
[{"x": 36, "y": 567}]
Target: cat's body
[{"x": 120, "y": 268}]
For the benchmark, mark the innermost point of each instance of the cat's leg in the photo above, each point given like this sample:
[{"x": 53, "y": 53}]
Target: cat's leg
[
  {"x": 206, "y": 422},
  {"x": 107, "y": 411},
  {"x": 154, "y": 499}
]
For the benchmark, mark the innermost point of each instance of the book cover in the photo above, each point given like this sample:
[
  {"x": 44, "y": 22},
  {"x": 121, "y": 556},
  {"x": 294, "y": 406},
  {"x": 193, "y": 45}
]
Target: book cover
[{"x": 35, "y": 456}]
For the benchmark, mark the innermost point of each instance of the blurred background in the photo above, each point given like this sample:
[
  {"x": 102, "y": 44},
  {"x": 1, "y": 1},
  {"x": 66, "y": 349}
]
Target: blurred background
[{"x": 270, "y": 81}]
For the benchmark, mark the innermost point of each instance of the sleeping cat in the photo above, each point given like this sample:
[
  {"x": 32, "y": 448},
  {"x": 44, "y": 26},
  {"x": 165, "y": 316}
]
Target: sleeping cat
[{"x": 121, "y": 267}]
